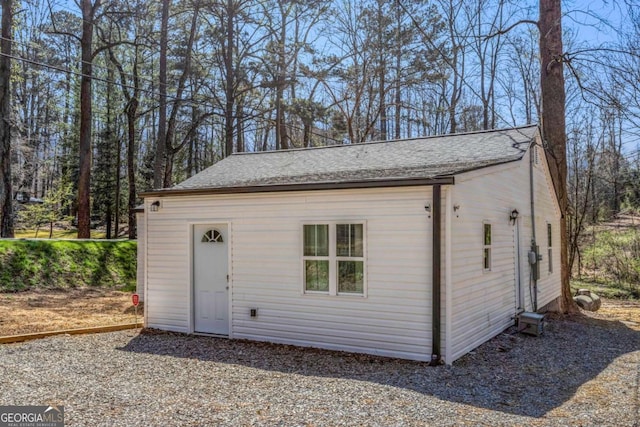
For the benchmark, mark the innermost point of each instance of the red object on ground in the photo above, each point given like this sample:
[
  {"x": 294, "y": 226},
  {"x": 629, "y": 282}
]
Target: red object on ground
[{"x": 136, "y": 299}]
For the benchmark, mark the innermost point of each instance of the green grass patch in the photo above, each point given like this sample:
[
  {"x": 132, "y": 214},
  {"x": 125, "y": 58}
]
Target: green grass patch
[
  {"x": 611, "y": 263},
  {"x": 61, "y": 264},
  {"x": 43, "y": 233}
]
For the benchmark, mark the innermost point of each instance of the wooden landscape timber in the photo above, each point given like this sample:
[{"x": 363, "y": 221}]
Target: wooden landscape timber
[{"x": 79, "y": 331}]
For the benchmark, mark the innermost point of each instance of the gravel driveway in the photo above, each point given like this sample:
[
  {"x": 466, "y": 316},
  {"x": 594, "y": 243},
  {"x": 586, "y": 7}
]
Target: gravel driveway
[{"x": 583, "y": 371}]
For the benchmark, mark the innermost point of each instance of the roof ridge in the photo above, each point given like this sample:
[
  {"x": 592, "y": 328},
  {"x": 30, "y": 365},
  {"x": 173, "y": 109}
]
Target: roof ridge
[{"x": 446, "y": 135}]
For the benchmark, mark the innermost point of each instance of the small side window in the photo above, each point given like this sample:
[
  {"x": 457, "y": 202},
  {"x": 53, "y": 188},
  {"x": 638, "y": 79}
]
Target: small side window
[
  {"x": 550, "y": 248},
  {"x": 486, "y": 251}
]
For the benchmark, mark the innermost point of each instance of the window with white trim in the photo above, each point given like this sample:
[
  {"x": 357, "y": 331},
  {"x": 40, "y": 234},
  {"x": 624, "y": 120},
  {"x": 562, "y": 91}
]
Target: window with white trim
[
  {"x": 334, "y": 258},
  {"x": 316, "y": 257},
  {"x": 550, "y": 248},
  {"x": 486, "y": 246}
]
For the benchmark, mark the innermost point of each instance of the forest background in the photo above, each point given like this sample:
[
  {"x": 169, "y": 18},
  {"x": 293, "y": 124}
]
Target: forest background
[{"x": 111, "y": 98}]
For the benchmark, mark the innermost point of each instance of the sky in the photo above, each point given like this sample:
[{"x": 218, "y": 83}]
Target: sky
[{"x": 596, "y": 22}]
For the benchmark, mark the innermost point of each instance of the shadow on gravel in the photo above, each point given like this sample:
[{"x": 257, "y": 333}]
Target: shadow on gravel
[{"x": 512, "y": 373}]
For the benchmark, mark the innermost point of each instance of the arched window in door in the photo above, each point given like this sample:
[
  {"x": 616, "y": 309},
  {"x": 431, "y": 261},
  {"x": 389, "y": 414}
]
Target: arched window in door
[{"x": 212, "y": 236}]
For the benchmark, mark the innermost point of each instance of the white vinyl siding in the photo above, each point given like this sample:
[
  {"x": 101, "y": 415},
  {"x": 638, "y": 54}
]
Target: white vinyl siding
[
  {"x": 549, "y": 285},
  {"x": 394, "y": 318},
  {"x": 140, "y": 259},
  {"x": 266, "y": 249},
  {"x": 483, "y": 305}
]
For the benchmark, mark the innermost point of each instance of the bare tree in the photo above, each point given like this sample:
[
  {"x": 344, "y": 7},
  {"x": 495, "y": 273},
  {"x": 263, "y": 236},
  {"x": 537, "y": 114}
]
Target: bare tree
[
  {"x": 457, "y": 41},
  {"x": 486, "y": 51},
  {"x": 581, "y": 154},
  {"x": 524, "y": 84},
  {"x": 236, "y": 37}
]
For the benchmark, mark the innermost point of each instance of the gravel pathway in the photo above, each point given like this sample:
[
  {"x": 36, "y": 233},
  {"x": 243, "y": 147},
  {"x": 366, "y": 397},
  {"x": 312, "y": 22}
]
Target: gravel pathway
[{"x": 582, "y": 372}]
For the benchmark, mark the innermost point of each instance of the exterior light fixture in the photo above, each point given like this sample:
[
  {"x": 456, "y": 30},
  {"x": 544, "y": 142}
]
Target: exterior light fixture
[
  {"x": 155, "y": 206},
  {"x": 513, "y": 216}
]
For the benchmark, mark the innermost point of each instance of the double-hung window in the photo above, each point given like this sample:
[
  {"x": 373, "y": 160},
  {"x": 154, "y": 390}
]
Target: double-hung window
[
  {"x": 486, "y": 247},
  {"x": 334, "y": 258}
]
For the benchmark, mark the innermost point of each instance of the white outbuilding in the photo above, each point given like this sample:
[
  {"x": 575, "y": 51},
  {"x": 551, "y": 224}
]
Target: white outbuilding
[{"x": 420, "y": 248}]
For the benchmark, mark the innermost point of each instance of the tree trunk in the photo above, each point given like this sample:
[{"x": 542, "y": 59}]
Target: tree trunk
[
  {"x": 159, "y": 161},
  {"x": 229, "y": 81},
  {"x": 108, "y": 222},
  {"x": 239, "y": 128},
  {"x": 106, "y": 149},
  {"x": 382, "y": 73},
  {"x": 383, "y": 103},
  {"x": 116, "y": 207},
  {"x": 398, "y": 84},
  {"x": 67, "y": 119},
  {"x": 192, "y": 144},
  {"x": 131, "y": 112},
  {"x": 131, "y": 156},
  {"x": 456, "y": 68},
  {"x": 6, "y": 192},
  {"x": 282, "y": 138},
  {"x": 84, "y": 178},
  {"x": 170, "y": 148},
  {"x": 553, "y": 125}
]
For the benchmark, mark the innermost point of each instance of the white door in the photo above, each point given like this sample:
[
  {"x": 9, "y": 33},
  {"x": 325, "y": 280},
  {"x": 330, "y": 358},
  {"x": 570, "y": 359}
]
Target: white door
[{"x": 210, "y": 279}]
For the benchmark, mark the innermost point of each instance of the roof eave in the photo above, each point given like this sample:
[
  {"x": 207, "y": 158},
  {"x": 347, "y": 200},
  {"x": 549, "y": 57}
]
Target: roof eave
[{"x": 403, "y": 182}]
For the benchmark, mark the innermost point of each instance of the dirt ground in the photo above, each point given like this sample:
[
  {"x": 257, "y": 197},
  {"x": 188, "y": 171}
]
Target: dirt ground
[
  {"x": 627, "y": 312},
  {"x": 43, "y": 311}
]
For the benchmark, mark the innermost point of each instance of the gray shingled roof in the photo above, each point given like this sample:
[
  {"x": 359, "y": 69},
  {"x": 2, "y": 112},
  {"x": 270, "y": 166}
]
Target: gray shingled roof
[{"x": 431, "y": 157}]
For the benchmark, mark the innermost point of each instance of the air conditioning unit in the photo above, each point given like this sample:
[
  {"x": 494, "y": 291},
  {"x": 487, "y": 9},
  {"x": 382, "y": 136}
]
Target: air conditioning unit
[{"x": 531, "y": 323}]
